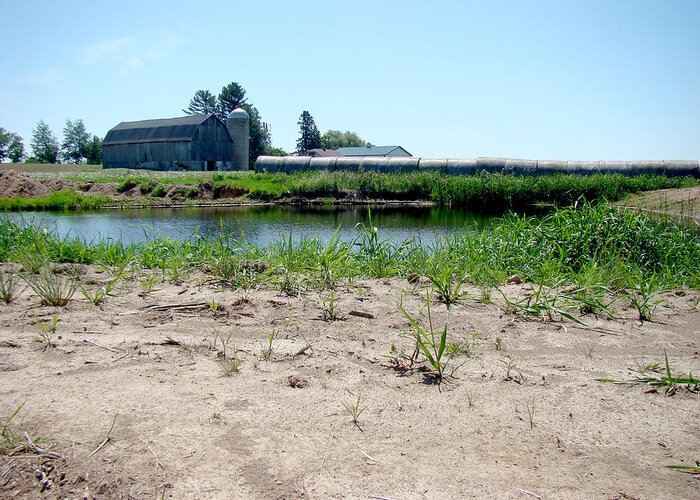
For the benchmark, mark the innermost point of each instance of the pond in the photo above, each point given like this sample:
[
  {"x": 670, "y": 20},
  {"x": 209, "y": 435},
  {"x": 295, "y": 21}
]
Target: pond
[{"x": 259, "y": 224}]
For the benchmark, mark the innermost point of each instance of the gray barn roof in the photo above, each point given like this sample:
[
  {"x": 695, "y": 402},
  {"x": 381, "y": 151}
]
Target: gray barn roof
[
  {"x": 164, "y": 130},
  {"x": 369, "y": 150}
]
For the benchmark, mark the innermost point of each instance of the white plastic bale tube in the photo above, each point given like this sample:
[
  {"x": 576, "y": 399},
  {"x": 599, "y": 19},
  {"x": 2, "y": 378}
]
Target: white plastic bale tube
[
  {"x": 433, "y": 165},
  {"x": 391, "y": 165},
  {"x": 551, "y": 167},
  {"x": 579, "y": 167},
  {"x": 614, "y": 167},
  {"x": 296, "y": 164},
  {"x": 490, "y": 165},
  {"x": 327, "y": 163},
  {"x": 520, "y": 167},
  {"x": 681, "y": 168},
  {"x": 461, "y": 166},
  {"x": 349, "y": 164},
  {"x": 636, "y": 167},
  {"x": 270, "y": 164}
]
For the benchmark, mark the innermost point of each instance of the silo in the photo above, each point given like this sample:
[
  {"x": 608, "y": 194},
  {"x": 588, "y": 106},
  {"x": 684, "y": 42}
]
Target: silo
[{"x": 238, "y": 125}]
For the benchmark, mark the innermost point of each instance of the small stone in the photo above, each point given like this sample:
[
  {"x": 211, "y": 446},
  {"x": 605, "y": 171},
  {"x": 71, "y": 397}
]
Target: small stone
[
  {"x": 514, "y": 280},
  {"x": 296, "y": 382}
]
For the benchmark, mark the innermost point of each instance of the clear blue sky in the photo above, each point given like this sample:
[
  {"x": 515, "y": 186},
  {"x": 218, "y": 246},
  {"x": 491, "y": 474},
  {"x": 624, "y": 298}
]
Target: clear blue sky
[{"x": 585, "y": 79}]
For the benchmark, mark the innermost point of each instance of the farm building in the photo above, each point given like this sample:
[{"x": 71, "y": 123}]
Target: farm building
[
  {"x": 199, "y": 142},
  {"x": 370, "y": 150}
]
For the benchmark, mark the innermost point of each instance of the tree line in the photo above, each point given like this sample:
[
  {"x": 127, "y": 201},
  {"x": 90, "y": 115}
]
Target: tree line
[
  {"x": 77, "y": 145},
  {"x": 310, "y": 137}
]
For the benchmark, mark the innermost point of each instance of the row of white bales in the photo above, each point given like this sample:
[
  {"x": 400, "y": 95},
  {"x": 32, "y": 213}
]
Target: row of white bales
[{"x": 471, "y": 166}]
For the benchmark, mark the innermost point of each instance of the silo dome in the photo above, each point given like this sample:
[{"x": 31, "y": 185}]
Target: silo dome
[{"x": 238, "y": 114}]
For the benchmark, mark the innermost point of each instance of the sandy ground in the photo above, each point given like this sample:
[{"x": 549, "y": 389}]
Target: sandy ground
[
  {"x": 681, "y": 204},
  {"x": 278, "y": 428}
]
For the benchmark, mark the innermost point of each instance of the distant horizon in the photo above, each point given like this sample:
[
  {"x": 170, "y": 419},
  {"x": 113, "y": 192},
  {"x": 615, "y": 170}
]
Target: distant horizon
[{"x": 565, "y": 80}]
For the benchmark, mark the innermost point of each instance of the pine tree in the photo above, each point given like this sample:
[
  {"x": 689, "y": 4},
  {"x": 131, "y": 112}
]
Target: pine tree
[
  {"x": 202, "y": 103},
  {"x": 309, "y": 136},
  {"x": 232, "y": 96}
]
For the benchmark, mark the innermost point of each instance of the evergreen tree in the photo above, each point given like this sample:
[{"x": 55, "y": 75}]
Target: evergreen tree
[
  {"x": 309, "y": 136},
  {"x": 232, "y": 96},
  {"x": 44, "y": 144},
  {"x": 75, "y": 141},
  {"x": 93, "y": 151},
  {"x": 202, "y": 103}
]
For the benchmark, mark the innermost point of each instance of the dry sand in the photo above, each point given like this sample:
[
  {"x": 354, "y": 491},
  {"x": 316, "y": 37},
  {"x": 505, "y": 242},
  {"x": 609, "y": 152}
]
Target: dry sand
[{"x": 279, "y": 428}]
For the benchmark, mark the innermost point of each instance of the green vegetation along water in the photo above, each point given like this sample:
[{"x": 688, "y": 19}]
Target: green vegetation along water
[
  {"x": 260, "y": 225},
  {"x": 596, "y": 248},
  {"x": 485, "y": 193}
]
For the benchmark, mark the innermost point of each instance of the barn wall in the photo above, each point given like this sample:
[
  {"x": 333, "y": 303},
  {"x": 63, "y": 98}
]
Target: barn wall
[
  {"x": 212, "y": 142},
  {"x": 133, "y": 155}
]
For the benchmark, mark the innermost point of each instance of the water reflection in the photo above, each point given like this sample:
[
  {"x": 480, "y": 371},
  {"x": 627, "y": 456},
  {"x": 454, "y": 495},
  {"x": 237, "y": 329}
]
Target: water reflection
[{"x": 260, "y": 225}]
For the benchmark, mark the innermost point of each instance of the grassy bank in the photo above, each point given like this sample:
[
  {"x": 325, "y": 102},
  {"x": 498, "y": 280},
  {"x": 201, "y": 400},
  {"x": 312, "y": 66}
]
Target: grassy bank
[
  {"x": 595, "y": 248},
  {"x": 59, "y": 201},
  {"x": 493, "y": 193}
]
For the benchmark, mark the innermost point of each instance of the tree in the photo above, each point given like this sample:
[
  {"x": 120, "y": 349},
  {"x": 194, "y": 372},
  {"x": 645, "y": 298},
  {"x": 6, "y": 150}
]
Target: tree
[
  {"x": 75, "y": 141},
  {"x": 93, "y": 151},
  {"x": 16, "y": 148},
  {"x": 202, "y": 103},
  {"x": 232, "y": 96},
  {"x": 309, "y": 136},
  {"x": 334, "y": 139},
  {"x": 259, "y": 134},
  {"x": 44, "y": 144}
]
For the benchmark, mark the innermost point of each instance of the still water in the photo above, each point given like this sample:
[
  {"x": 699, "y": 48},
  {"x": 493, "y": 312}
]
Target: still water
[{"x": 260, "y": 225}]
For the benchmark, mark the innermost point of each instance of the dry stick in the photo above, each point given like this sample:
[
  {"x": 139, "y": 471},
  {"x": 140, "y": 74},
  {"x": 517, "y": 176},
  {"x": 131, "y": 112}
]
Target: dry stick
[
  {"x": 99, "y": 345},
  {"x": 107, "y": 439},
  {"x": 380, "y": 498},
  {"x": 529, "y": 493},
  {"x": 369, "y": 458},
  {"x": 40, "y": 451},
  {"x": 158, "y": 462}
]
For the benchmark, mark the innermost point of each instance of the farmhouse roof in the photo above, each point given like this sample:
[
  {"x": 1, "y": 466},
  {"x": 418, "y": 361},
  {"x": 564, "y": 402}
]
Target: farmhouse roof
[
  {"x": 370, "y": 151},
  {"x": 323, "y": 153},
  {"x": 163, "y": 130}
]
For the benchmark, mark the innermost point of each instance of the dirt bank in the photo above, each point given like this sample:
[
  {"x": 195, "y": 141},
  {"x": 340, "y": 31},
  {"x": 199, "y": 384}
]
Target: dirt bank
[
  {"x": 683, "y": 203},
  {"x": 523, "y": 416},
  {"x": 16, "y": 184}
]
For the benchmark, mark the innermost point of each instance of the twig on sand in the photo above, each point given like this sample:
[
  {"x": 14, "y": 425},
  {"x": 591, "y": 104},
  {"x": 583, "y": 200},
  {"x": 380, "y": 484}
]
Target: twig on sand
[
  {"x": 188, "y": 306},
  {"x": 370, "y": 459},
  {"x": 107, "y": 439},
  {"x": 40, "y": 451},
  {"x": 375, "y": 497},
  {"x": 525, "y": 492},
  {"x": 158, "y": 462},
  {"x": 99, "y": 345}
]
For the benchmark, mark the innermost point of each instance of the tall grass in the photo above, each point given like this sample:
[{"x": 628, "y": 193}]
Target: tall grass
[
  {"x": 491, "y": 193},
  {"x": 589, "y": 247},
  {"x": 59, "y": 200}
]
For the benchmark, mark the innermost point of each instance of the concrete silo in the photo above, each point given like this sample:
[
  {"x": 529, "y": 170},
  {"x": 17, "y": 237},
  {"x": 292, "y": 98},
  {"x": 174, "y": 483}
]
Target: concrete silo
[{"x": 238, "y": 125}]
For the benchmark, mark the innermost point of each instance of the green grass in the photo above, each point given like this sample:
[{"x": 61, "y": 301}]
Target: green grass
[
  {"x": 603, "y": 251},
  {"x": 490, "y": 193},
  {"x": 59, "y": 200}
]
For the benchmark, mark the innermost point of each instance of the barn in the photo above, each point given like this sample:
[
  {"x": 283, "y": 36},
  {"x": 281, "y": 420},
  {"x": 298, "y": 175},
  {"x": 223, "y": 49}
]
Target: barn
[{"x": 198, "y": 142}]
